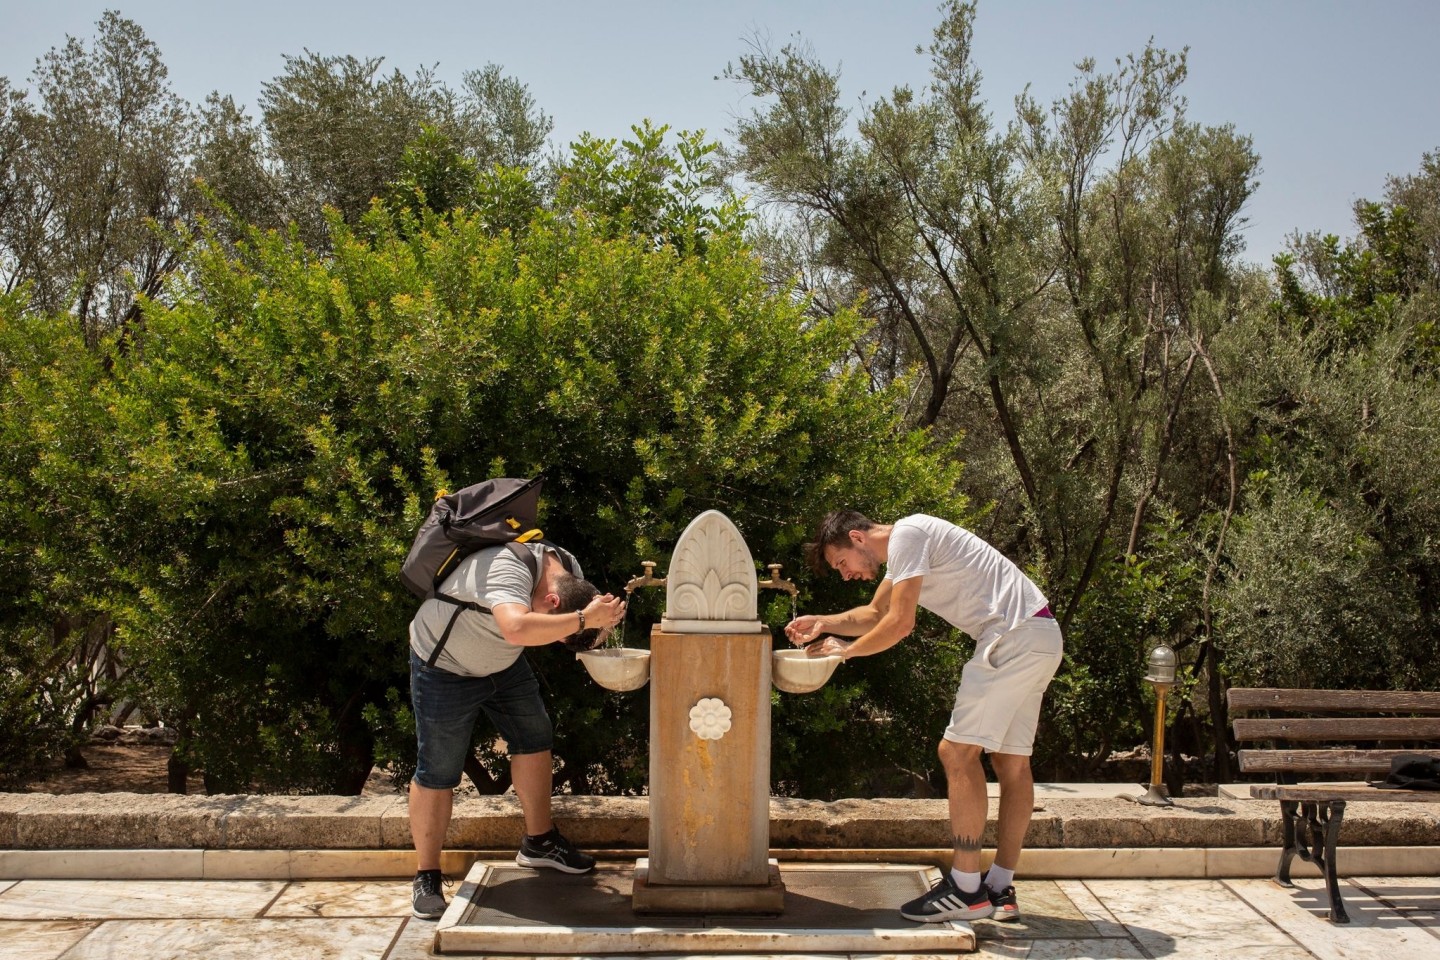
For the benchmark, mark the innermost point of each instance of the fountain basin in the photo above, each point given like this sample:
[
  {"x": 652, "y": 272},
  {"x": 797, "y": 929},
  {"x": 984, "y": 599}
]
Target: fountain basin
[
  {"x": 617, "y": 668},
  {"x": 795, "y": 671}
]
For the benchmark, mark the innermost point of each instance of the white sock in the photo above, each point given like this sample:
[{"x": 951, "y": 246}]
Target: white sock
[
  {"x": 998, "y": 878},
  {"x": 967, "y": 882}
]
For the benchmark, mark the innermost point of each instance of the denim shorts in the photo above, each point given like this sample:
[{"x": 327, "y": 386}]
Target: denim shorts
[{"x": 447, "y": 706}]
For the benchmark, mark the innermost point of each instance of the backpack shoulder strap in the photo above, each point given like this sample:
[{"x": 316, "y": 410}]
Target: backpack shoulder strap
[
  {"x": 533, "y": 565},
  {"x": 524, "y": 555},
  {"x": 460, "y": 605}
]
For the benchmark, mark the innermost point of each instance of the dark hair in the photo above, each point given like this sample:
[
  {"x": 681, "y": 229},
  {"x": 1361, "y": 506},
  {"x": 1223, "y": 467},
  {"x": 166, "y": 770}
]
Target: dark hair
[
  {"x": 574, "y": 594},
  {"x": 833, "y": 531}
]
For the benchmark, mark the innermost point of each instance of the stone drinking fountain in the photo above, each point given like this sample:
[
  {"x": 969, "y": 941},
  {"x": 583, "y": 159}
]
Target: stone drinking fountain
[
  {"x": 712, "y": 664},
  {"x": 708, "y": 863}
]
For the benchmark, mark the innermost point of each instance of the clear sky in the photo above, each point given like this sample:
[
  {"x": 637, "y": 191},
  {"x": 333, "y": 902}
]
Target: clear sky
[{"x": 1336, "y": 96}]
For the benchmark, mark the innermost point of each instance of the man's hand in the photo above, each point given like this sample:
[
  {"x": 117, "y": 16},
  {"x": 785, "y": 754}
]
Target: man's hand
[
  {"x": 802, "y": 630},
  {"x": 604, "y": 612},
  {"x": 830, "y": 646}
]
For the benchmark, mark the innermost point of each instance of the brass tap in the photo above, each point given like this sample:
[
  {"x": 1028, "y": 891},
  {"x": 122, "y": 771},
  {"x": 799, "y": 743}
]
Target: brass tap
[
  {"x": 775, "y": 583},
  {"x": 646, "y": 579}
]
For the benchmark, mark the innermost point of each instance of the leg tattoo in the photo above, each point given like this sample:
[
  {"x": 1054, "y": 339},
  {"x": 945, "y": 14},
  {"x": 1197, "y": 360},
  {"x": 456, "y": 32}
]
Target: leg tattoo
[{"x": 967, "y": 844}]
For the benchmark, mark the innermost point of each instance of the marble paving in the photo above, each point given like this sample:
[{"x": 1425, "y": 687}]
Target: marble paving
[
  {"x": 1193, "y": 919},
  {"x": 1393, "y": 918},
  {"x": 129, "y": 899},
  {"x": 1376, "y": 928},
  {"x": 40, "y": 939},
  {"x": 350, "y": 938},
  {"x": 342, "y": 898},
  {"x": 1417, "y": 901}
]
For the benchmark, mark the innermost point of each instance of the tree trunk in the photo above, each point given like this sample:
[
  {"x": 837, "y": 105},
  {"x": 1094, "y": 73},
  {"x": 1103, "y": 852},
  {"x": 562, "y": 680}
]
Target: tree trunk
[
  {"x": 485, "y": 784},
  {"x": 1219, "y": 724},
  {"x": 177, "y": 774},
  {"x": 357, "y": 754}
]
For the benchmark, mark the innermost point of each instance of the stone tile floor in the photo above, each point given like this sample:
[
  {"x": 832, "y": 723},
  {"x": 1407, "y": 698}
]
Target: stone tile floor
[{"x": 1393, "y": 918}]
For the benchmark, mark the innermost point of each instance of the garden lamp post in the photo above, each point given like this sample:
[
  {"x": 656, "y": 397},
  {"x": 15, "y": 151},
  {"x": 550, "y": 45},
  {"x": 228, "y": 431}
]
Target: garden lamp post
[{"x": 1162, "y": 675}]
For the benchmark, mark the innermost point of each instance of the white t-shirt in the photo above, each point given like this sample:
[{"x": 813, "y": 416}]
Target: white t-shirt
[
  {"x": 969, "y": 583},
  {"x": 476, "y": 648}
]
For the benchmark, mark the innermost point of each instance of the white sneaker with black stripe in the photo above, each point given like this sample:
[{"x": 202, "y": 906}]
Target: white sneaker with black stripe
[{"x": 945, "y": 901}]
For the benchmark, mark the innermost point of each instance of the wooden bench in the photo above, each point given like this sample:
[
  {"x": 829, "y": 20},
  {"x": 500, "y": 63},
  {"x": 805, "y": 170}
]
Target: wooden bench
[{"x": 1362, "y": 730}]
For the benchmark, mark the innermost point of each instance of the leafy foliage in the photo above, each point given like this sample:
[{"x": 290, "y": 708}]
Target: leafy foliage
[
  {"x": 1334, "y": 562},
  {"x": 1058, "y": 286},
  {"x": 225, "y": 402},
  {"x": 85, "y": 172},
  {"x": 58, "y": 672},
  {"x": 335, "y": 131},
  {"x": 273, "y": 439}
]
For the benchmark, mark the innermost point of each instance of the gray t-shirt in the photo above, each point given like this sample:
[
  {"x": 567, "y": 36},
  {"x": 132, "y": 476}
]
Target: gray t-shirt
[
  {"x": 969, "y": 583},
  {"x": 476, "y": 648}
]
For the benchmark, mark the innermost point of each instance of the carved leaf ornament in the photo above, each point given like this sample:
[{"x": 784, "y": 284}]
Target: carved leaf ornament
[{"x": 711, "y": 576}]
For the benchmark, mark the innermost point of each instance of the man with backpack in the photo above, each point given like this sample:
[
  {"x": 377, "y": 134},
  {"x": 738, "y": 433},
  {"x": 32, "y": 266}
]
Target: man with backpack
[{"x": 467, "y": 645}]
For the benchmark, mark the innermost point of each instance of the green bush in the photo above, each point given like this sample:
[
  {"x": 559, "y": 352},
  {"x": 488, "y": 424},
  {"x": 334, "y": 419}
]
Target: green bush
[
  {"x": 259, "y": 453},
  {"x": 54, "y": 667}
]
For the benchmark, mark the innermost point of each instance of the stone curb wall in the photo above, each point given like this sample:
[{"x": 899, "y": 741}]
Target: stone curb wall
[{"x": 119, "y": 821}]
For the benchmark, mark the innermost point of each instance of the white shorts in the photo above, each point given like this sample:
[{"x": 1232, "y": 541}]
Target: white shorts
[{"x": 998, "y": 704}]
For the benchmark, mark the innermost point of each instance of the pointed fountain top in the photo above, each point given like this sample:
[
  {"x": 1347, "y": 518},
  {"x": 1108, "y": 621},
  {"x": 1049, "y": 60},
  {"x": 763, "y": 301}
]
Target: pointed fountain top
[{"x": 711, "y": 584}]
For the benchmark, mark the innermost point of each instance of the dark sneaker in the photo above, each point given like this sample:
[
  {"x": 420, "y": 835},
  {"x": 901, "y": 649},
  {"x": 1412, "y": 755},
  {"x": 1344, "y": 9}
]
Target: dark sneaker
[
  {"x": 1006, "y": 909},
  {"x": 426, "y": 900},
  {"x": 554, "y": 852},
  {"x": 946, "y": 902}
]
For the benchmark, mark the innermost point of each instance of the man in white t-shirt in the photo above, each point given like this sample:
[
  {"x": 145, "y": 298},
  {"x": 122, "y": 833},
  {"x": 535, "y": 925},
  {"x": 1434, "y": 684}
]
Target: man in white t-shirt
[
  {"x": 480, "y": 667},
  {"x": 951, "y": 572}
]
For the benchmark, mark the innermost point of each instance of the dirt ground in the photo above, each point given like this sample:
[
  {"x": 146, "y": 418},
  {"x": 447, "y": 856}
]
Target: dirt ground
[
  {"x": 113, "y": 768},
  {"x": 133, "y": 765}
]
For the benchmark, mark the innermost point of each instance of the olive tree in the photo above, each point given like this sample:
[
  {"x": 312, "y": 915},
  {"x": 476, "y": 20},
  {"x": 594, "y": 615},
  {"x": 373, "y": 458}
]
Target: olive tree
[
  {"x": 88, "y": 168},
  {"x": 1057, "y": 284},
  {"x": 1334, "y": 562}
]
